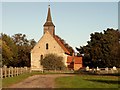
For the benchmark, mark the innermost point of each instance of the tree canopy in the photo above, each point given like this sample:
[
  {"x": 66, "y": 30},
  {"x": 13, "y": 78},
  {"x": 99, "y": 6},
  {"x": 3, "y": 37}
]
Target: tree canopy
[
  {"x": 102, "y": 50},
  {"x": 16, "y": 50}
]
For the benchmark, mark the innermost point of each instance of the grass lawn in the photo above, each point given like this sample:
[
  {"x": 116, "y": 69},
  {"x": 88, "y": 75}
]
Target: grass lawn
[
  {"x": 12, "y": 80},
  {"x": 77, "y": 81},
  {"x": 87, "y": 81}
]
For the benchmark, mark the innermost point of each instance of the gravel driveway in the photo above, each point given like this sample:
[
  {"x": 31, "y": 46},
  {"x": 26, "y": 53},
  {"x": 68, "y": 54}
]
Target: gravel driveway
[{"x": 39, "y": 81}]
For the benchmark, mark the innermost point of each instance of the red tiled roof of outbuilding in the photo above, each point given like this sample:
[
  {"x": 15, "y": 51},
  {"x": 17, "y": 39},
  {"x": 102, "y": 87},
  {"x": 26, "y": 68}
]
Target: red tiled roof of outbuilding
[
  {"x": 77, "y": 60},
  {"x": 69, "y": 59}
]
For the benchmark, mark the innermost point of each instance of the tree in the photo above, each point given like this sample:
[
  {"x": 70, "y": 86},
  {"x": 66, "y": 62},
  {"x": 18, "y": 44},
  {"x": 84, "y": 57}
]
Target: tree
[
  {"x": 53, "y": 62},
  {"x": 9, "y": 51},
  {"x": 103, "y": 49},
  {"x": 24, "y": 47},
  {"x": 16, "y": 50}
]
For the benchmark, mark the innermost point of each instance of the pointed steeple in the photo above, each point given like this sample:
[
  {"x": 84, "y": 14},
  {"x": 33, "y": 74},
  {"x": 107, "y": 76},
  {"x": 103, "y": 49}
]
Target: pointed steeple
[
  {"x": 49, "y": 19},
  {"x": 49, "y": 26}
]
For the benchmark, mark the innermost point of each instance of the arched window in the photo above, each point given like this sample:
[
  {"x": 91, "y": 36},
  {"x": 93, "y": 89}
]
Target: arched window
[
  {"x": 46, "y": 46},
  {"x": 41, "y": 57}
]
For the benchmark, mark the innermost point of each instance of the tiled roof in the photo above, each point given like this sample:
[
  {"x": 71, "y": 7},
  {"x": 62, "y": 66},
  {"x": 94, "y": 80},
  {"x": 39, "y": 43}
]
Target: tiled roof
[
  {"x": 77, "y": 60},
  {"x": 69, "y": 59},
  {"x": 61, "y": 44}
]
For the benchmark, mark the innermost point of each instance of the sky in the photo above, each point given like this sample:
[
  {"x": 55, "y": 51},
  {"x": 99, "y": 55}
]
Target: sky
[{"x": 74, "y": 21}]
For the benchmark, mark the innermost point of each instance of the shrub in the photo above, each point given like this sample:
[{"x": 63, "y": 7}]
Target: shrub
[{"x": 53, "y": 62}]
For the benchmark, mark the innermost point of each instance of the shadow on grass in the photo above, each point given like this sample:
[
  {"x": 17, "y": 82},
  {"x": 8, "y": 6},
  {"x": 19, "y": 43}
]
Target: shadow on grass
[{"x": 104, "y": 81}]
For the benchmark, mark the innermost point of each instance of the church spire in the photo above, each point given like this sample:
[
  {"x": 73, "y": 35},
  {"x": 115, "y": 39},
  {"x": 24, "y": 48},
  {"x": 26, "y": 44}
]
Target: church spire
[
  {"x": 49, "y": 26},
  {"x": 49, "y": 19}
]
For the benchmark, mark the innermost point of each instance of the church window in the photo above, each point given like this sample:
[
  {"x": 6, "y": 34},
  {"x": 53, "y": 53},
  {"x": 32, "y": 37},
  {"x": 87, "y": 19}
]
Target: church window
[
  {"x": 46, "y": 46},
  {"x": 41, "y": 57}
]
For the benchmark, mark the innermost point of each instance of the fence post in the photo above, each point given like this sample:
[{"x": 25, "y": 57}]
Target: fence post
[
  {"x": 8, "y": 72},
  {"x": 1, "y": 73},
  {"x": 17, "y": 71},
  {"x": 5, "y": 71},
  {"x": 26, "y": 69},
  {"x": 20, "y": 70},
  {"x": 11, "y": 68}
]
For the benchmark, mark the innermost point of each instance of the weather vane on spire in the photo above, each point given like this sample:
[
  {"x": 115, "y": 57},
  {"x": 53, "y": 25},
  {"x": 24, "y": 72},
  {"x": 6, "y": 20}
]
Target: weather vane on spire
[{"x": 49, "y": 4}]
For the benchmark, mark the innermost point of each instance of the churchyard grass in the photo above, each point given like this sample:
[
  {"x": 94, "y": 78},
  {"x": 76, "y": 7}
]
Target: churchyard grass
[
  {"x": 87, "y": 81},
  {"x": 77, "y": 81},
  {"x": 12, "y": 80}
]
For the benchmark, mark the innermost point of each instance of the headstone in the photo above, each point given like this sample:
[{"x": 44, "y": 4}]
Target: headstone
[
  {"x": 114, "y": 68},
  {"x": 87, "y": 68},
  {"x": 98, "y": 69},
  {"x": 106, "y": 69}
]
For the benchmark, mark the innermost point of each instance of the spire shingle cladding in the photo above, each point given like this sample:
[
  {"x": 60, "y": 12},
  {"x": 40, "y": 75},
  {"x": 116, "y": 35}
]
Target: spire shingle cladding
[{"x": 49, "y": 19}]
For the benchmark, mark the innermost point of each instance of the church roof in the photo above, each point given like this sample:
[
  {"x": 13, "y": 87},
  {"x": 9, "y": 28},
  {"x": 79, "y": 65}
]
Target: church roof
[
  {"x": 49, "y": 19},
  {"x": 61, "y": 44}
]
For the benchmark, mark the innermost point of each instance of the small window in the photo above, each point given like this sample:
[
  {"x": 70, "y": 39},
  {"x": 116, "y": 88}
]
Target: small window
[
  {"x": 41, "y": 57},
  {"x": 46, "y": 46}
]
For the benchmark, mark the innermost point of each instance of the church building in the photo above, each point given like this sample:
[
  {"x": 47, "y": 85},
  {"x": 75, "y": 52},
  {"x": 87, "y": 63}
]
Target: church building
[{"x": 50, "y": 43}]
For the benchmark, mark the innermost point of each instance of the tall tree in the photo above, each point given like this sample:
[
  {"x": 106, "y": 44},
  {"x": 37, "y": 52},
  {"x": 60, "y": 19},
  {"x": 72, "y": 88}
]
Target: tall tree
[
  {"x": 9, "y": 51},
  {"x": 16, "y": 50},
  {"x": 24, "y": 47},
  {"x": 103, "y": 49}
]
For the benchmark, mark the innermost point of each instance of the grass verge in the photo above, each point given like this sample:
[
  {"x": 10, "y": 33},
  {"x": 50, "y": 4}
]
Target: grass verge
[
  {"x": 6, "y": 82},
  {"x": 87, "y": 81},
  {"x": 12, "y": 80}
]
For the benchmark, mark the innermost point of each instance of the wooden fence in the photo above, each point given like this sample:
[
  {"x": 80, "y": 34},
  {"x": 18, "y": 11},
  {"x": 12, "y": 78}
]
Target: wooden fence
[{"x": 11, "y": 72}]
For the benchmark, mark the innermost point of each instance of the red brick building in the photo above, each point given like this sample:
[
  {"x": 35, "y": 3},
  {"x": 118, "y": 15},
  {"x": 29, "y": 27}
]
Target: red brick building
[{"x": 74, "y": 62}]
